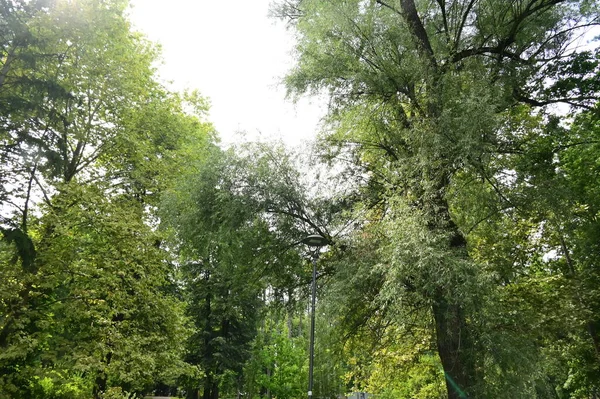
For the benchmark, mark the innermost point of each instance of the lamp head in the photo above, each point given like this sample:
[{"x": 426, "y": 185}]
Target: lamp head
[{"x": 315, "y": 240}]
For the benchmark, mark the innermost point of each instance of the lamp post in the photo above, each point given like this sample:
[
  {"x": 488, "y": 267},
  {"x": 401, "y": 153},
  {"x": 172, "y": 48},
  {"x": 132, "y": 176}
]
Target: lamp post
[{"x": 316, "y": 241}]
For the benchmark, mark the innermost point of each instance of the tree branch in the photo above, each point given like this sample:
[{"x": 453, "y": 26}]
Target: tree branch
[
  {"x": 442, "y": 4},
  {"x": 461, "y": 26},
  {"x": 418, "y": 30}
]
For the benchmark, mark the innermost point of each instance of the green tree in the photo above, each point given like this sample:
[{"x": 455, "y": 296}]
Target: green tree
[
  {"x": 278, "y": 366},
  {"x": 90, "y": 139},
  {"x": 419, "y": 93},
  {"x": 237, "y": 218},
  {"x": 110, "y": 309},
  {"x": 219, "y": 235},
  {"x": 546, "y": 278}
]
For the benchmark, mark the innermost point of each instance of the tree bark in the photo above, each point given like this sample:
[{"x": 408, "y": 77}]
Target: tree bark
[
  {"x": 206, "y": 392},
  {"x": 193, "y": 393},
  {"x": 593, "y": 331},
  {"x": 451, "y": 332}
]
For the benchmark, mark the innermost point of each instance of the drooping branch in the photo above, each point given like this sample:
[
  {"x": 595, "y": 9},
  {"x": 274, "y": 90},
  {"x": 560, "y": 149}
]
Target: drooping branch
[
  {"x": 487, "y": 50},
  {"x": 533, "y": 7},
  {"x": 442, "y": 4},
  {"x": 578, "y": 101},
  {"x": 10, "y": 57},
  {"x": 25, "y": 214},
  {"x": 289, "y": 9}
]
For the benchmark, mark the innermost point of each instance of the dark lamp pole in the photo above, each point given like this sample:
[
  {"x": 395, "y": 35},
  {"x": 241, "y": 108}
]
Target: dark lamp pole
[{"x": 313, "y": 240}]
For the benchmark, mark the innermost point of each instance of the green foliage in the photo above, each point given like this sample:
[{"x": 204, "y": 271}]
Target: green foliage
[
  {"x": 89, "y": 140},
  {"x": 466, "y": 217},
  {"x": 278, "y": 367},
  {"x": 117, "y": 393},
  {"x": 546, "y": 278},
  {"x": 219, "y": 236},
  {"x": 463, "y": 258},
  {"x": 103, "y": 306},
  {"x": 56, "y": 384},
  {"x": 237, "y": 219}
]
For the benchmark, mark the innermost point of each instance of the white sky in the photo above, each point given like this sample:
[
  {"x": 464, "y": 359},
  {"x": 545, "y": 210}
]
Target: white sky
[{"x": 234, "y": 55}]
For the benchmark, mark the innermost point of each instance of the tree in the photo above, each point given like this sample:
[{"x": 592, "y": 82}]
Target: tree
[
  {"x": 219, "y": 237},
  {"x": 237, "y": 219},
  {"x": 419, "y": 91},
  {"x": 545, "y": 210},
  {"x": 89, "y": 141},
  {"x": 111, "y": 311},
  {"x": 278, "y": 366}
]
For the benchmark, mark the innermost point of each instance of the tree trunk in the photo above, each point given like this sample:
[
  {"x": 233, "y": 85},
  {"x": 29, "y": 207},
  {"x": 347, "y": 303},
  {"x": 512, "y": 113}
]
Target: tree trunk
[
  {"x": 453, "y": 336},
  {"x": 290, "y": 326},
  {"x": 206, "y": 392},
  {"x": 451, "y": 333},
  {"x": 591, "y": 325},
  {"x": 593, "y": 331},
  {"x": 193, "y": 393},
  {"x": 211, "y": 388}
]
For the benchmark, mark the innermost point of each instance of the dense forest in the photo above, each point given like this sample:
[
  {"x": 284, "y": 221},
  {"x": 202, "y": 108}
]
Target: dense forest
[{"x": 456, "y": 178}]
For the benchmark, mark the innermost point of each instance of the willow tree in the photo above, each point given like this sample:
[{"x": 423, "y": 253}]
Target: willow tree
[{"x": 421, "y": 91}]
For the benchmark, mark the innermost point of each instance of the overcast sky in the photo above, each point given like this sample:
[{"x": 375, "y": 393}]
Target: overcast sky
[{"x": 236, "y": 56}]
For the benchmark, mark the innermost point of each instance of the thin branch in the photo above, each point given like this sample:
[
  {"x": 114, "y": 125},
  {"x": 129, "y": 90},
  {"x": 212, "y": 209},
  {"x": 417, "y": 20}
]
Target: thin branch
[
  {"x": 46, "y": 198},
  {"x": 562, "y": 32},
  {"x": 487, "y": 50},
  {"x": 565, "y": 146},
  {"x": 25, "y": 213},
  {"x": 573, "y": 101},
  {"x": 442, "y": 4},
  {"x": 486, "y": 217},
  {"x": 497, "y": 190},
  {"x": 463, "y": 21},
  {"x": 386, "y": 5}
]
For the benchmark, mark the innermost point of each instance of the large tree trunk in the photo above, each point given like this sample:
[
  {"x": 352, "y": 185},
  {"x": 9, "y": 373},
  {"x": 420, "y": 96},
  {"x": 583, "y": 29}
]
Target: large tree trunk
[
  {"x": 454, "y": 338},
  {"x": 207, "y": 385},
  {"x": 451, "y": 334},
  {"x": 193, "y": 393}
]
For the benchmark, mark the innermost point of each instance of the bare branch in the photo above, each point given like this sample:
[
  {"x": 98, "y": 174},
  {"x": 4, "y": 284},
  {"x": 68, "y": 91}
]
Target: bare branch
[{"x": 463, "y": 21}]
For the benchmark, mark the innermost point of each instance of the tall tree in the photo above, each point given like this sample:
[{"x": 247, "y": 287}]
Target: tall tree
[
  {"x": 219, "y": 236},
  {"x": 89, "y": 140},
  {"x": 237, "y": 220},
  {"x": 546, "y": 276},
  {"x": 419, "y": 91}
]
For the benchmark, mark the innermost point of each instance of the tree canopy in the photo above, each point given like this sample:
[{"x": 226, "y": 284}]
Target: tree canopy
[
  {"x": 434, "y": 100},
  {"x": 456, "y": 179}
]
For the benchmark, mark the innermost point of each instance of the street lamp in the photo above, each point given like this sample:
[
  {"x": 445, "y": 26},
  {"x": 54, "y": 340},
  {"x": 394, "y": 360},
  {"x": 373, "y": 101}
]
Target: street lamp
[{"x": 316, "y": 241}]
